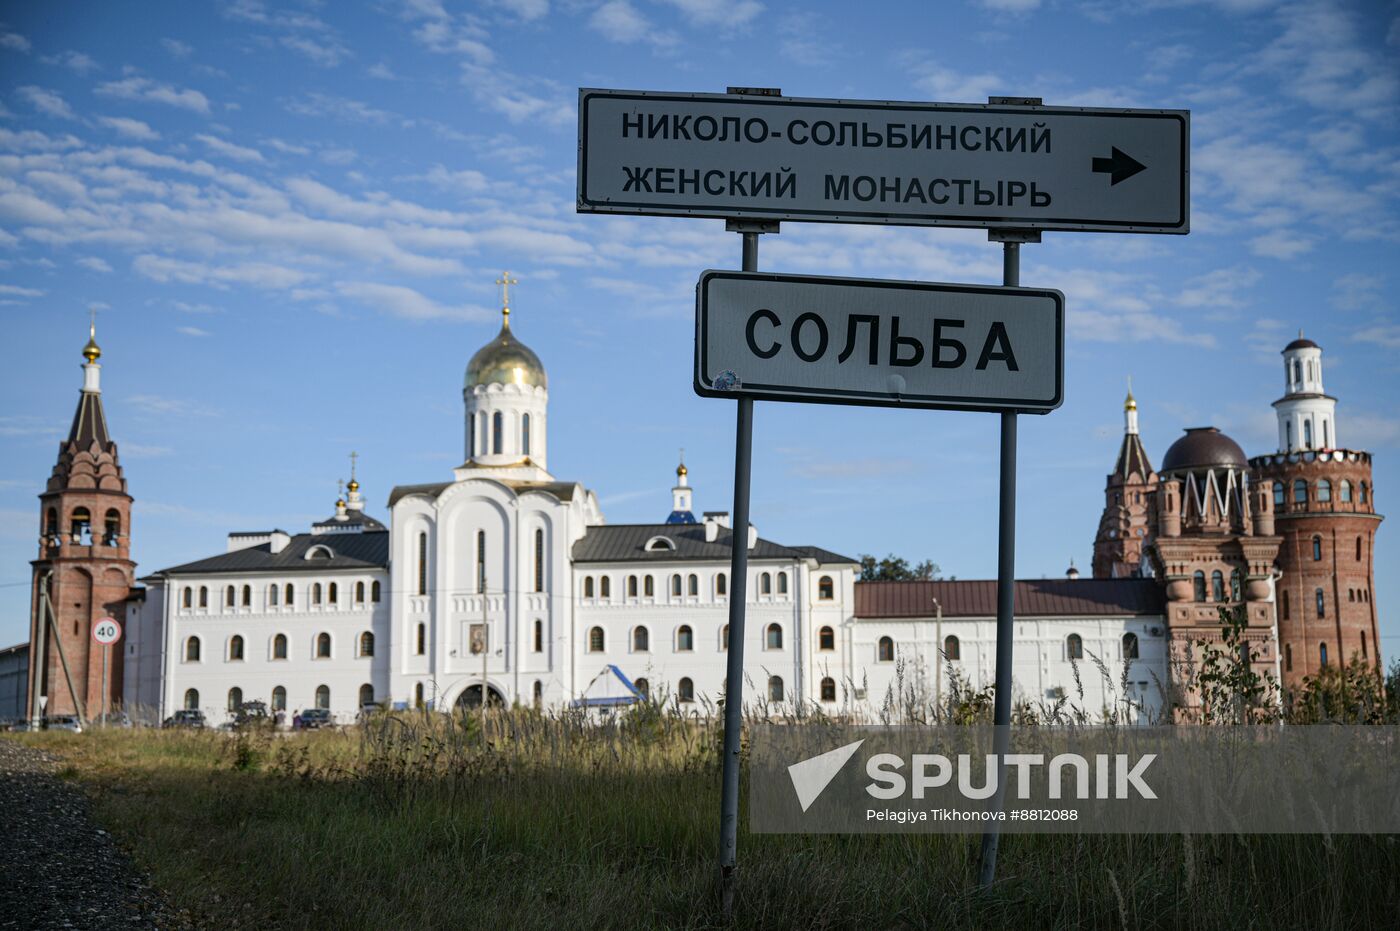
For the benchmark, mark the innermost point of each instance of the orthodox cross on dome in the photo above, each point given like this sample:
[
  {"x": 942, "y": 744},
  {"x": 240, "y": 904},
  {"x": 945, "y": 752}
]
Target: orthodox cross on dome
[
  {"x": 91, "y": 352},
  {"x": 353, "y": 456},
  {"x": 505, "y": 281}
]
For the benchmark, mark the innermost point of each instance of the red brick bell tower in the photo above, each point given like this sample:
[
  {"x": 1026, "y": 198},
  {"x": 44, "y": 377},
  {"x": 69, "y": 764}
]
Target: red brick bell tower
[{"x": 84, "y": 571}]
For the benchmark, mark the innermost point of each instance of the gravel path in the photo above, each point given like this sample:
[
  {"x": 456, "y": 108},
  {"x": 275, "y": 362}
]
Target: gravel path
[{"x": 57, "y": 868}]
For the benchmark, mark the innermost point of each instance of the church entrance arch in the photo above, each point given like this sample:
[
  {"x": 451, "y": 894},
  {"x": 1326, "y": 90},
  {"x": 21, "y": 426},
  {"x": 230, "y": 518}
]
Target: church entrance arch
[{"x": 471, "y": 697}]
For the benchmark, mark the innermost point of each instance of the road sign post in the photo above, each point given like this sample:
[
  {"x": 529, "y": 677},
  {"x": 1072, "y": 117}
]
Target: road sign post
[
  {"x": 1011, "y": 164},
  {"x": 107, "y": 631}
]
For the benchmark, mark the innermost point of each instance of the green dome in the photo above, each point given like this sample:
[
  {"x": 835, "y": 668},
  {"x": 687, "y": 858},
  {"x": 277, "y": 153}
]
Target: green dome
[{"x": 506, "y": 361}]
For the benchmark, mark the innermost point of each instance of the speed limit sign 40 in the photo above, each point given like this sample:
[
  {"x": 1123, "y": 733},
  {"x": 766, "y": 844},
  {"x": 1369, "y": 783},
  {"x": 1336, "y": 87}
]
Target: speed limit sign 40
[{"x": 107, "y": 631}]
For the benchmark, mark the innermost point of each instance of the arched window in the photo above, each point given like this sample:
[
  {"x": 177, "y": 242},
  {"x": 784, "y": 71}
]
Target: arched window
[
  {"x": 481, "y": 562},
  {"x": 1317, "y": 548},
  {"x": 51, "y": 525},
  {"x": 676, "y": 586},
  {"x": 539, "y": 636},
  {"x": 724, "y": 637},
  {"x": 1236, "y": 586},
  {"x": 1288, "y": 657},
  {"x": 418, "y": 695},
  {"x": 192, "y": 650},
  {"x": 1284, "y": 599},
  {"x": 230, "y": 596},
  {"x": 235, "y": 698},
  {"x": 1130, "y": 646},
  {"x": 187, "y": 597},
  {"x": 774, "y": 639},
  {"x": 1321, "y": 603},
  {"x": 1344, "y": 491},
  {"x": 595, "y": 640},
  {"x": 323, "y": 645},
  {"x": 366, "y": 644},
  {"x": 1198, "y": 584},
  {"x": 782, "y": 583},
  {"x": 641, "y": 640},
  {"x": 1364, "y": 654},
  {"x": 1300, "y": 491},
  {"x": 685, "y": 690},
  {"x": 828, "y": 689},
  {"x": 1074, "y": 646},
  {"x": 649, "y": 587},
  {"x": 1307, "y": 434},
  {"x": 287, "y": 592},
  {"x": 722, "y": 585},
  {"x": 422, "y": 564},
  {"x": 1288, "y": 431},
  {"x": 247, "y": 596},
  {"x": 605, "y": 586},
  {"x": 204, "y": 596},
  {"x": 272, "y": 591},
  {"x": 1217, "y": 586},
  {"x": 366, "y": 696},
  {"x": 279, "y": 698},
  {"x": 539, "y": 558},
  {"x": 525, "y": 434},
  {"x": 359, "y": 593},
  {"x": 886, "y": 650},
  {"x": 80, "y": 526},
  {"x": 644, "y": 687},
  {"x": 421, "y": 639},
  {"x": 480, "y": 430},
  {"x": 1297, "y": 372},
  {"x": 323, "y": 697},
  {"x": 333, "y": 593},
  {"x": 1324, "y": 490},
  {"x": 825, "y": 589},
  {"x": 111, "y": 527},
  {"x": 685, "y": 639},
  {"x": 693, "y": 585},
  {"x": 497, "y": 433},
  {"x": 235, "y": 647},
  {"x": 826, "y": 639},
  {"x": 374, "y": 592},
  {"x": 588, "y": 586},
  {"x": 631, "y": 586},
  {"x": 1358, "y": 549},
  {"x": 1351, "y": 594},
  {"x": 952, "y": 648},
  {"x": 1278, "y": 495},
  {"x": 316, "y": 593},
  {"x": 1322, "y": 654},
  {"x": 537, "y": 693},
  {"x": 1365, "y": 493},
  {"x": 775, "y": 688},
  {"x": 765, "y": 584},
  {"x": 191, "y": 699},
  {"x": 279, "y": 646}
]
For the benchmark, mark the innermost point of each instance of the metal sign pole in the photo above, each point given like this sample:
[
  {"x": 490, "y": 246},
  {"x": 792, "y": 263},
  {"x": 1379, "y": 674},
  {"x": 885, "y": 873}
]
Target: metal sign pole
[
  {"x": 1006, "y": 576},
  {"x": 105, "y": 648}
]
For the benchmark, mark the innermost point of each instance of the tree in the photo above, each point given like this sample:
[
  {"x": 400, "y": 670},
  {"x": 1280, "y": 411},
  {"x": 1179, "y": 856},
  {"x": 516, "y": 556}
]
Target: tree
[{"x": 896, "y": 569}]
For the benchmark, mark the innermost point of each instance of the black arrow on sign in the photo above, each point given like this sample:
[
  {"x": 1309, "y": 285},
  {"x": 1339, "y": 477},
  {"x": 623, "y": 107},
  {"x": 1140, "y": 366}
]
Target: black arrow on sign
[{"x": 1120, "y": 167}]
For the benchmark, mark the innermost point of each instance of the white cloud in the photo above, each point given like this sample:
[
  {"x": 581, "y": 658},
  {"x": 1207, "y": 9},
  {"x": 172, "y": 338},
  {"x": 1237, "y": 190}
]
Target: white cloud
[
  {"x": 381, "y": 71},
  {"x": 177, "y": 48},
  {"x": 132, "y": 129},
  {"x": 191, "y": 331},
  {"x": 1320, "y": 59},
  {"x": 1385, "y": 335},
  {"x": 400, "y": 301},
  {"x": 144, "y": 89},
  {"x": 74, "y": 61},
  {"x": 256, "y": 274},
  {"x": 1281, "y": 244},
  {"x": 1010, "y": 6},
  {"x": 947, "y": 85},
  {"x": 14, "y": 42},
  {"x": 14, "y": 290},
  {"x": 467, "y": 181},
  {"x": 526, "y": 10},
  {"x": 1219, "y": 288},
  {"x": 94, "y": 263},
  {"x": 342, "y": 108},
  {"x": 619, "y": 21},
  {"x": 727, "y": 13},
  {"x": 327, "y": 54},
  {"x": 47, "y": 101},
  {"x": 1357, "y": 291},
  {"x": 229, "y": 150}
]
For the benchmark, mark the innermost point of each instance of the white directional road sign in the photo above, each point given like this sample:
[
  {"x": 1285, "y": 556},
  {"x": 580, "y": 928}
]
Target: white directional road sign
[
  {"x": 889, "y": 343},
  {"x": 107, "y": 631},
  {"x": 856, "y": 161}
]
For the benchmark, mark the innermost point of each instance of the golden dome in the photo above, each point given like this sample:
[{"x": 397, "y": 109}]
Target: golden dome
[
  {"x": 92, "y": 352},
  {"x": 682, "y": 470},
  {"x": 506, "y": 361},
  {"x": 354, "y": 485},
  {"x": 1131, "y": 403}
]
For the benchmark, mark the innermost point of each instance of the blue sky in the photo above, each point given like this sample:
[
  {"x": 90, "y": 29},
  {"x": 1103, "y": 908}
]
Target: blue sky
[{"x": 290, "y": 218}]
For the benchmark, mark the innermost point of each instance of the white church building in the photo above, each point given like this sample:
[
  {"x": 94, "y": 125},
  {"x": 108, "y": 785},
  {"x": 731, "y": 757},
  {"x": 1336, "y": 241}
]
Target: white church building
[{"x": 506, "y": 578}]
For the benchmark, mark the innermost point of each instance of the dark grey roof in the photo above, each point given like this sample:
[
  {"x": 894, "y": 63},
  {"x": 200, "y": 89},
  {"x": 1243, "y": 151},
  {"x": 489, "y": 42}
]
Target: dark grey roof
[
  {"x": 89, "y": 422},
  {"x": 627, "y": 543},
  {"x": 1132, "y": 458},
  {"x": 1203, "y": 448},
  {"x": 431, "y": 489},
  {"x": 369, "y": 550},
  {"x": 352, "y": 519},
  {"x": 825, "y": 557},
  {"x": 1034, "y": 598},
  {"x": 564, "y": 491},
  {"x": 1301, "y": 343}
]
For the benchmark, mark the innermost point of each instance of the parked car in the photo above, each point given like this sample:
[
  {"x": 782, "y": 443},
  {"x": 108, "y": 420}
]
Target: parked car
[
  {"x": 20, "y": 727},
  {"x": 316, "y": 718},
  {"x": 185, "y": 717},
  {"x": 252, "y": 714},
  {"x": 64, "y": 722},
  {"x": 113, "y": 719}
]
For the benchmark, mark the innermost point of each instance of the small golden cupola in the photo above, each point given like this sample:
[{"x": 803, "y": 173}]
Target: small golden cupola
[{"x": 505, "y": 360}]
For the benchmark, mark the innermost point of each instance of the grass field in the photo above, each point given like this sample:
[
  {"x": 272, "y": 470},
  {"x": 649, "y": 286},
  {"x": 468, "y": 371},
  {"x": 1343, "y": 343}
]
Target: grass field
[{"x": 413, "y": 823}]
